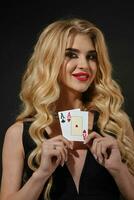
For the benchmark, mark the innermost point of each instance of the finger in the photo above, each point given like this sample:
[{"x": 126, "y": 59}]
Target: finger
[
  {"x": 50, "y": 153},
  {"x": 93, "y": 150},
  {"x": 53, "y": 146},
  {"x": 65, "y": 151},
  {"x": 104, "y": 151},
  {"x": 59, "y": 158},
  {"x": 61, "y": 145},
  {"x": 56, "y": 154},
  {"x": 66, "y": 142},
  {"x": 89, "y": 139},
  {"x": 63, "y": 154},
  {"x": 56, "y": 157},
  {"x": 93, "y": 146},
  {"x": 96, "y": 149},
  {"x": 99, "y": 152}
]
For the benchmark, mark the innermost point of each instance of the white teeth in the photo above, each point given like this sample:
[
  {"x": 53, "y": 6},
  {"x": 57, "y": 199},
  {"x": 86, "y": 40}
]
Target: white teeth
[{"x": 83, "y": 76}]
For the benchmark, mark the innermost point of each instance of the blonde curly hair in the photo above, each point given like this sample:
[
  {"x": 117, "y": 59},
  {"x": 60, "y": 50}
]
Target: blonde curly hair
[{"x": 40, "y": 88}]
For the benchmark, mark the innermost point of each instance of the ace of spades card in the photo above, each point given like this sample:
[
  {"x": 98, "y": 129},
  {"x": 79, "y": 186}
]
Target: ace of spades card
[{"x": 74, "y": 124}]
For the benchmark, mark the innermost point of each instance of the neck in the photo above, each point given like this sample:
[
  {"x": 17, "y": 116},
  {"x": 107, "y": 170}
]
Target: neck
[{"x": 69, "y": 100}]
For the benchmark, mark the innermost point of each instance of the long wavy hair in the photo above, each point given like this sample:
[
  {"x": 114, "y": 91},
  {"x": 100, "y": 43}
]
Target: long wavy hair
[{"x": 40, "y": 88}]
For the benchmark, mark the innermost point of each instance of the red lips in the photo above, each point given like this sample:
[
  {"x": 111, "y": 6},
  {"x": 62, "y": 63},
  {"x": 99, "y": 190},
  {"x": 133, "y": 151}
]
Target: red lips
[{"x": 81, "y": 76}]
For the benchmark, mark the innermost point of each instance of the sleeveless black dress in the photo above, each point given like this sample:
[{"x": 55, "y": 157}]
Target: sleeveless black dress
[{"x": 95, "y": 182}]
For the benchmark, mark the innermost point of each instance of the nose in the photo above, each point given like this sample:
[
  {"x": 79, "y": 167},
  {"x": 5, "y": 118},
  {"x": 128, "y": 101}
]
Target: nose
[{"x": 83, "y": 63}]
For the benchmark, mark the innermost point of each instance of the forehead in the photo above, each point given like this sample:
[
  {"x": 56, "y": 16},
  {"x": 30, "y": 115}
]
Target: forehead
[{"x": 80, "y": 41}]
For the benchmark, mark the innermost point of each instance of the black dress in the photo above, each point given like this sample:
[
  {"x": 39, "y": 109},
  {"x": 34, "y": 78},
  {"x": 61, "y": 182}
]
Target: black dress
[{"x": 95, "y": 182}]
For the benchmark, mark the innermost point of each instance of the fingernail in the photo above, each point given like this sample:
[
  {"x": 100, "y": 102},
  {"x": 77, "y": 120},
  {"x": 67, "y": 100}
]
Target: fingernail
[
  {"x": 62, "y": 164},
  {"x": 100, "y": 160},
  {"x": 84, "y": 142},
  {"x": 95, "y": 157}
]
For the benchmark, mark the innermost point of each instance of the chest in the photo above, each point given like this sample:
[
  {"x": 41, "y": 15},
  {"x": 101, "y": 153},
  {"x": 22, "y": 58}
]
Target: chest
[{"x": 75, "y": 164}]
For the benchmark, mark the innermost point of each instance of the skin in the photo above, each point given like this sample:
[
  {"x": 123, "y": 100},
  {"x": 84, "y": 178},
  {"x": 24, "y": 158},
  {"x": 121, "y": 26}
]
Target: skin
[
  {"x": 99, "y": 146},
  {"x": 80, "y": 58},
  {"x": 65, "y": 151}
]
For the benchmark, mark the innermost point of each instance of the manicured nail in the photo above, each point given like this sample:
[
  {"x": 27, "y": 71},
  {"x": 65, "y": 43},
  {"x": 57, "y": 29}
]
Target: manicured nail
[
  {"x": 100, "y": 160},
  {"x": 95, "y": 157},
  {"x": 84, "y": 142},
  {"x": 62, "y": 164}
]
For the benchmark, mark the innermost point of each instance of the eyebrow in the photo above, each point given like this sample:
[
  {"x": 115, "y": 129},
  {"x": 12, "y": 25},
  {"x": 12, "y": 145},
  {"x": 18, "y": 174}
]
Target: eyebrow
[
  {"x": 77, "y": 50},
  {"x": 72, "y": 49}
]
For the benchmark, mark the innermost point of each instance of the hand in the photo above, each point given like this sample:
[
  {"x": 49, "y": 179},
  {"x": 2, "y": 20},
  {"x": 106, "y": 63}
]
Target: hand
[
  {"x": 105, "y": 150},
  {"x": 54, "y": 152}
]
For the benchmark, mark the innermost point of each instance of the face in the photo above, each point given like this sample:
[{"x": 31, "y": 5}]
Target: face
[{"x": 80, "y": 65}]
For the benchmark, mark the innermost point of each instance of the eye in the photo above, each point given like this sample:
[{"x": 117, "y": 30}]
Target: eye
[
  {"x": 71, "y": 54},
  {"x": 92, "y": 56}
]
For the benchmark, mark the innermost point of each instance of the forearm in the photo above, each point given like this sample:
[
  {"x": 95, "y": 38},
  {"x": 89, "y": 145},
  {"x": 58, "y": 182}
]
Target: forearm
[
  {"x": 32, "y": 189},
  {"x": 125, "y": 182}
]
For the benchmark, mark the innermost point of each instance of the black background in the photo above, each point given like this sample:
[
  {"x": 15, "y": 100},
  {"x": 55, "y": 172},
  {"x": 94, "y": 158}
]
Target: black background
[{"x": 21, "y": 24}]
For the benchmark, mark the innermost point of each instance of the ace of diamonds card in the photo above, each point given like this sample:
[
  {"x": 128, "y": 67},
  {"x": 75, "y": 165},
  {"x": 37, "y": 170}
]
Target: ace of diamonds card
[{"x": 74, "y": 124}]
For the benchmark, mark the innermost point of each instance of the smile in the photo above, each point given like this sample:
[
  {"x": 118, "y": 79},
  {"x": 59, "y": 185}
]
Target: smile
[{"x": 81, "y": 76}]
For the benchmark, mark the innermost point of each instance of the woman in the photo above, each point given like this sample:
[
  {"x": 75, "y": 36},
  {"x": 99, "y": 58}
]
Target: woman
[{"x": 69, "y": 69}]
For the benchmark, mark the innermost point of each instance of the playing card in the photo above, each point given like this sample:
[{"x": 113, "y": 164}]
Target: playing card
[{"x": 74, "y": 124}]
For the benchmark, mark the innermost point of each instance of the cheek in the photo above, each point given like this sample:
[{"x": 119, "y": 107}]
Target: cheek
[
  {"x": 63, "y": 72},
  {"x": 94, "y": 69},
  {"x": 71, "y": 65}
]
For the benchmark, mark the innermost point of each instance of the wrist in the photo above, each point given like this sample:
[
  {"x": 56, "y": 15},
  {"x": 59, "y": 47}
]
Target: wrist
[
  {"x": 120, "y": 171},
  {"x": 40, "y": 175}
]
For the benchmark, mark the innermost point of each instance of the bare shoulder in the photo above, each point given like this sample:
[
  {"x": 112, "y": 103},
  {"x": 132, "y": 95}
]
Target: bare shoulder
[
  {"x": 13, "y": 135},
  {"x": 12, "y": 160},
  {"x": 14, "y": 131}
]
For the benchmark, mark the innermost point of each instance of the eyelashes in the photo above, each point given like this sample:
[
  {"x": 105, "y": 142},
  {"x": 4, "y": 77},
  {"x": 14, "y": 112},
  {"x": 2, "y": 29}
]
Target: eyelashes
[
  {"x": 92, "y": 55},
  {"x": 70, "y": 54}
]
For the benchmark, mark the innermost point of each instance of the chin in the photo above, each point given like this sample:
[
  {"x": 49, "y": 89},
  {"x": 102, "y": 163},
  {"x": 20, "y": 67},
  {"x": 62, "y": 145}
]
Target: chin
[{"x": 81, "y": 90}]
